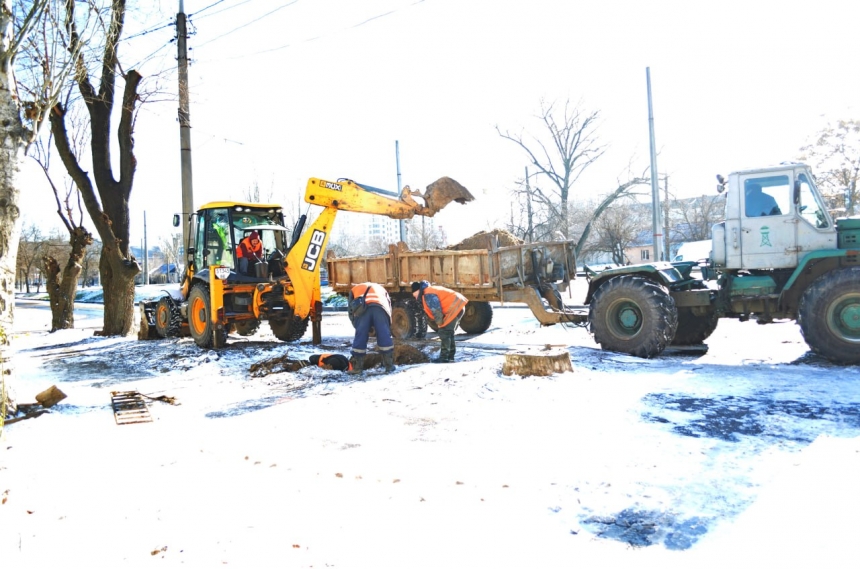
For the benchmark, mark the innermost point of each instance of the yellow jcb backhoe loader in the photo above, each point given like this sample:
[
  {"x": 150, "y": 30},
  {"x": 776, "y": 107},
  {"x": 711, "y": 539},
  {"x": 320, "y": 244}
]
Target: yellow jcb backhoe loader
[{"x": 226, "y": 286}]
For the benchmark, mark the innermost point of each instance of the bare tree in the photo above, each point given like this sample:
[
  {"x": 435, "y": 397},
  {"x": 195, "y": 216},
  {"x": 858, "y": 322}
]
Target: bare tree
[
  {"x": 693, "y": 218},
  {"x": 835, "y": 155},
  {"x": 170, "y": 247},
  {"x": 104, "y": 195},
  {"x": 34, "y": 63},
  {"x": 572, "y": 147},
  {"x": 423, "y": 235},
  {"x": 620, "y": 227},
  {"x": 30, "y": 247},
  {"x": 61, "y": 281}
]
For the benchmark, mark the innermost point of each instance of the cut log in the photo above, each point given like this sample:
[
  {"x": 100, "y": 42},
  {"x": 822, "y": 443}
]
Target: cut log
[
  {"x": 545, "y": 362},
  {"x": 50, "y": 397}
]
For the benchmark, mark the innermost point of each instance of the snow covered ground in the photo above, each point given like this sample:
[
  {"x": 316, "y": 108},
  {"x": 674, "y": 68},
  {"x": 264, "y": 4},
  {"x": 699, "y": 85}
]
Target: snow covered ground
[{"x": 746, "y": 454}]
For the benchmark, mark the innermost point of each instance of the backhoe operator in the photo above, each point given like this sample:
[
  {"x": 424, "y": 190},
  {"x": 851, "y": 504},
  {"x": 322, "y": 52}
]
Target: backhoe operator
[{"x": 249, "y": 251}]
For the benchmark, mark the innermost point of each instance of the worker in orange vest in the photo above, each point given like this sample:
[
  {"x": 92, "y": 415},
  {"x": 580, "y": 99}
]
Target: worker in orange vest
[
  {"x": 331, "y": 361},
  {"x": 373, "y": 311},
  {"x": 444, "y": 307},
  {"x": 249, "y": 251}
]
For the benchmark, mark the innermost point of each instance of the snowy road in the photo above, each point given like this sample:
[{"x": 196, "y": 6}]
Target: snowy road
[{"x": 438, "y": 465}]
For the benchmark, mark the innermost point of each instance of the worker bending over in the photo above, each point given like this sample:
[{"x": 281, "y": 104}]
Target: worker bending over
[
  {"x": 444, "y": 307},
  {"x": 372, "y": 311}
]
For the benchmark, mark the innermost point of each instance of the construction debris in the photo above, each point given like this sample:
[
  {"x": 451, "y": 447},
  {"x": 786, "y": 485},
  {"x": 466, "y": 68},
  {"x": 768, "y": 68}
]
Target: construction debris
[
  {"x": 50, "y": 397},
  {"x": 129, "y": 407}
]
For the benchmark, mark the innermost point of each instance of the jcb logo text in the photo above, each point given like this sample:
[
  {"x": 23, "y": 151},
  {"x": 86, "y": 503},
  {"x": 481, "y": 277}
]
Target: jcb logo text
[{"x": 314, "y": 249}]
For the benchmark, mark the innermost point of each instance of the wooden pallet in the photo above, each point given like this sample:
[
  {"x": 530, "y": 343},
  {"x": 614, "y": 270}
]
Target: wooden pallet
[{"x": 129, "y": 407}]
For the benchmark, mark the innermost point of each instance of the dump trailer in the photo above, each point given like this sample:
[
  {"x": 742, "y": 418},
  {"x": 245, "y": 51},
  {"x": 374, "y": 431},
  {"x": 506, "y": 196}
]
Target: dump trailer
[
  {"x": 244, "y": 266},
  {"x": 534, "y": 274},
  {"x": 778, "y": 255}
]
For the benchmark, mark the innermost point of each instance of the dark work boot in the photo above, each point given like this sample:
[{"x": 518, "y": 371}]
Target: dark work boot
[
  {"x": 388, "y": 361},
  {"x": 443, "y": 358},
  {"x": 357, "y": 365}
]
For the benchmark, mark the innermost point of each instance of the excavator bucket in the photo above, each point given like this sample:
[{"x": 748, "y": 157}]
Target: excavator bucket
[{"x": 444, "y": 191}]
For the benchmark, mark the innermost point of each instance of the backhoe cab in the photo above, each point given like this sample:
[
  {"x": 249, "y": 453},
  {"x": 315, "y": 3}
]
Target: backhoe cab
[{"x": 243, "y": 265}]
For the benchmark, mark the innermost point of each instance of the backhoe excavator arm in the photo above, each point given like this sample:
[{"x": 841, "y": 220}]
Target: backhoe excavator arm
[{"x": 346, "y": 195}]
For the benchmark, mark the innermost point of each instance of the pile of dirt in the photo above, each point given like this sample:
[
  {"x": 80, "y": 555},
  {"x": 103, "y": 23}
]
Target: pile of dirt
[
  {"x": 404, "y": 354},
  {"x": 484, "y": 240}
]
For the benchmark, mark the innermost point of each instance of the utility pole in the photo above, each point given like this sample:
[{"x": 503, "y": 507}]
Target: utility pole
[
  {"x": 666, "y": 242},
  {"x": 400, "y": 190},
  {"x": 529, "y": 208},
  {"x": 184, "y": 122},
  {"x": 145, "y": 279},
  {"x": 655, "y": 185}
]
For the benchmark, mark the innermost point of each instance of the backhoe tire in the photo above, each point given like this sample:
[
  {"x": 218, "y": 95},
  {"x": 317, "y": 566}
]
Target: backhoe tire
[
  {"x": 478, "y": 317},
  {"x": 633, "y": 315},
  {"x": 247, "y": 327},
  {"x": 168, "y": 318},
  {"x": 200, "y": 321},
  {"x": 829, "y": 316},
  {"x": 692, "y": 329},
  {"x": 289, "y": 329}
]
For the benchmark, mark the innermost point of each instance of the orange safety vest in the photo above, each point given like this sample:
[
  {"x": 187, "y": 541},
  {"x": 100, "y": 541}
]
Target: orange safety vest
[
  {"x": 323, "y": 358},
  {"x": 452, "y": 303},
  {"x": 245, "y": 249},
  {"x": 376, "y": 295}
]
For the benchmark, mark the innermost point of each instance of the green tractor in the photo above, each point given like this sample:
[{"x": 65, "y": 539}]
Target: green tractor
[{"x": 777, "y": 255}]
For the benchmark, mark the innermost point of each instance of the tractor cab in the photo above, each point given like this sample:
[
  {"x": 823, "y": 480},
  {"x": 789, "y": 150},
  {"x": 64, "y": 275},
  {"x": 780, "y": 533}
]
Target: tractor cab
[
  {"x": 250, "y": 240},
  {"x": 774, "y": 217}
]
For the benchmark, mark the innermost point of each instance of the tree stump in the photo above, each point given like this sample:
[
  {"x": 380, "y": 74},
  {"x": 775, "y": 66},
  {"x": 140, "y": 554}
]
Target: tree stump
[
  {"x": 543, "y": 362},
  {"x": 50, "y": 397}
]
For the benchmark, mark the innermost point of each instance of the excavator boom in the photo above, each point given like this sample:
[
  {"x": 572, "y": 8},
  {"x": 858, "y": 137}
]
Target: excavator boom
[{"x": 347, "y": 195}]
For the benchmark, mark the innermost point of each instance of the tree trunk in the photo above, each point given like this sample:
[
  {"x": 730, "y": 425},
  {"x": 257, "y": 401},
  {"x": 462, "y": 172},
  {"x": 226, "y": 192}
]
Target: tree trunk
[
  {"x": 62, "y": 288},
  {"x": 12, "y": 140},
  {"x": 537, "y": 363}
]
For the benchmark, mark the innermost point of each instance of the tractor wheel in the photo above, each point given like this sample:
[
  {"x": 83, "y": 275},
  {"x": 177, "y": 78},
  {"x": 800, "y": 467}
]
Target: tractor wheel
[
  {"x": 478, "y": 317},
  {"x": 692, "y": 329},
  {"x": 829, "y": 316},
  {"x": 634, "y": 315},
  {"x": 247, "y": 327},
  {"x": 200, "y": 321},
  {"x": 168, "y": 318},
  {"x": 289, "y": 329}
]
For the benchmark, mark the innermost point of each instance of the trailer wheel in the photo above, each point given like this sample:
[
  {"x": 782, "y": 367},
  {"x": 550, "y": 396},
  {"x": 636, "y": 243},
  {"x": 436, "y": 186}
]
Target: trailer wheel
[
  {"x": 247, "y": 327},
  {"x": 829, "y": 316},
  {"x": 168, "y": 318},
  {"x": 200, "y": 321},
  {"x": 694, "y": 329},
  {"x": 477, "y": 318},
  {"x": 403, "y": 320},
  {"x": 289, "y": 329},
  {"x": 634, "y": 315}
]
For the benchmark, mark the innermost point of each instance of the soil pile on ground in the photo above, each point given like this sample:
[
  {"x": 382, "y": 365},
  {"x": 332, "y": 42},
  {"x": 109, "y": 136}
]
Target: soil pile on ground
[
  {"x": 404, "y": 354},
  {"x": 483, "y": 240}
]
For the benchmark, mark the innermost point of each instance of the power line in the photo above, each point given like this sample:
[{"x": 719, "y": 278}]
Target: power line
[
  {"x": 219, "y": 11},
  {"x": 207, "y": 7},
  {"x": 249, "y": 23},
  {"x": 291, "y": 44}
]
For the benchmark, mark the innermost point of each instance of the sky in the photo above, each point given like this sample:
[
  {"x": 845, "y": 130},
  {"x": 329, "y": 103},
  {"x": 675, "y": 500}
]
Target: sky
[
  {"x": 745, "y": 455},
  {"x": 284, "y": 91}
]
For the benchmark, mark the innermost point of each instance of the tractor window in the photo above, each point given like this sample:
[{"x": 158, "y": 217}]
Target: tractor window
[
  {"x": 217, "y": 243},
  {"x": 769, "y": 195},
  {"x": 810, "y": 208}
]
